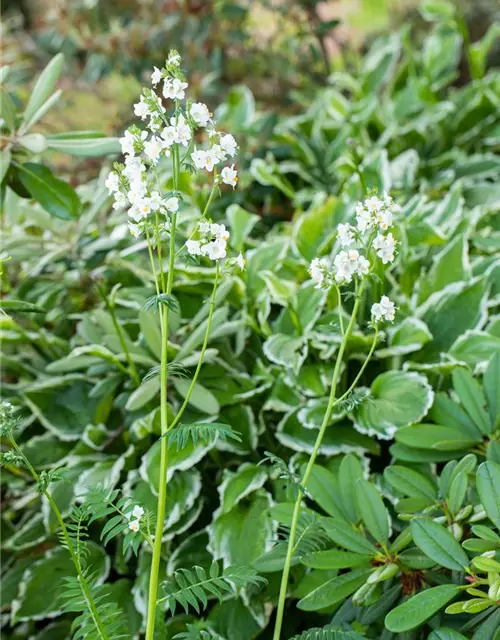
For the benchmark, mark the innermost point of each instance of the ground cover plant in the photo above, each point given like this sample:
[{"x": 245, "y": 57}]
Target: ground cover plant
[{"x": 261, "y": 400}]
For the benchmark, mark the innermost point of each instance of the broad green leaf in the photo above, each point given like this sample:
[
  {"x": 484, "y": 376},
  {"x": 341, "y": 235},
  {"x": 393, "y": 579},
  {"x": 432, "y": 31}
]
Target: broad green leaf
[
  {"x": 449, "y": 265},
  {"x": 335, "y": 590},
  {"x": 55, "y": 196},
  {"x": 285, "y": 350},
  {"x": 201, "y": 398},
  {"x": 325, "y": 491},
  {"x": 315, "y": 229},
  {"x": 83, "y": 144},
  {"x": 346, "y": 536},
  {"x": 415, "y": 611},
  {"x": 439, "y": 544},
  {"x": 333, "y": 559},
  {"x": 410, "y": 482},
  {"x": 435, "y": 436},
  {"x": 44, "y": 87},
  {"x": 373, "y": 511},
  {"x": 475, "y": 347},
  {"x": 241, "y": 223},
  {"x": 409, "y": 336},
  {"x": 267, "y": 175},
  {"x": 457, "y": 493},
  {"x": 488, "y": 486},
  {"x": 350, "y": 471},
  {"x": 7, "y": 110},
  {"x": 397, "y": 399},
  {"x": 491, "y": 382},
  {"x": 235, "y": 486},
  {"x": 143, "y": 394},
  {"x": 472, "y": 399}
]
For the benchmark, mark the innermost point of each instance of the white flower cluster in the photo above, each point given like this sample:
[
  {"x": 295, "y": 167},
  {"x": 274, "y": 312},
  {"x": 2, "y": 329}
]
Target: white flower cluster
[
  {"x": 383, "y": 310},
  {"x": 373, "y": 216},
  {"x": 212, "y": 241},
  {"x": 129, "y": 183},
  {"x": 136, "y": 513}
]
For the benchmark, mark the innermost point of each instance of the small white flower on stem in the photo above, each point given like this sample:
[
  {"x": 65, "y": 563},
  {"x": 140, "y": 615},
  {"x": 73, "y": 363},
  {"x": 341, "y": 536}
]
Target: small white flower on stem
[
  {"x": 137, "y": 512},
  {"x": 141, "y": 109},
  {"x": 120, "y": 200},
  {"x": 204, "y": 227},
  {"x": 363, "y": 266},
  {"x": 156, "y": 76},
  {"x": 229, "y": 176},
  {"x": 174, "y": 89},
  {"x": 134, "y": 525},
  {"x": 153, "y": 149},
  {"x": 385, "y": 246},
  {"x": 172, "y": 204},
  {"x": 200, "y": 114},
  {"x": 174, "y": 58},
  {"x": 214, "y": 250},
  {"x": 127, "y": 143},
  {"x": 193, "y": 247},
  {"x": 112, "y": 183},
  {"x": 345, "y": 234},
  {"x": 228, "y": 143},
  {"x": 169, "y": 135},
  {"x": 155, "y": 201},
  {"x": 134, "y": 229},
  {"x": 199, "y": 158},
  {"x": 182, "y": 130},
  {"x": 240, "y": 261},
  {"x": 317, "y": 271},
  {"x": 383, "y": 310}
]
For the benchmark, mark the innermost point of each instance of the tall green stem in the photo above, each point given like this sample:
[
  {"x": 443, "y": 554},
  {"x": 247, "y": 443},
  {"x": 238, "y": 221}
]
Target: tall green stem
[
  {"x": 332, "y": 402},
  {"x": 202, "y": 352},
  {"x": 83, "y": 582},
  {"x": 162, "y": 488}
]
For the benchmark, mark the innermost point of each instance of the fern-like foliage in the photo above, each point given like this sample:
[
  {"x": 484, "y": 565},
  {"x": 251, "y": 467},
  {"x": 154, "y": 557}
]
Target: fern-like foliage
[
  {"x": 77, "y": 532},
  {"x": 111, "y": 619},
  {"x": 293, "y": 483},
  {"x": 163, "y": 298},
  {"x": 100, "y": 502},
  {"x": 353, "y": 400},
  {"x": 328, "y": 633},
  {"x": 206, "y": 431},
  {"x": 310, "y": 536},
  {"x": 175, "y": 370},
  {"x": 194, "y": 587}
]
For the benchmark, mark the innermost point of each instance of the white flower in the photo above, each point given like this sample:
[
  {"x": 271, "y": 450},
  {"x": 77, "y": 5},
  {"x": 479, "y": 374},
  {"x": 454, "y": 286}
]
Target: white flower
[
  {"x": 385, "y": 246},
  {"x": 134, "y": 229},
  {"x": 156, "y": 76},
  {"x": 229, "y": 176},
  {"x": 204, "y": 227},
  {"x": 127, "y": 143},
  {"x": 218, "y": 152},
  {"x": 182, "y": 130},
  {"x": 155, "y": 201},
  {"x": 364, "y": 218},
  {"x": 134, "y": 525},
  {"x": 363, "y": 266},
  {"x": 137, "y": 512},
  {"x": 120, "y": 200},
  {"x": 174, "y": 89},
  {"x": 153, "y": 149},
  {"x": 193, "y": 247},
  {"x": 317, "y": 271},
  {"x": 240, "y": 261},
  {"x": 141, "y": 109},
  {"x": 214, "y": 250},
  {"x": 219, "y": 231},
  {"x": 198, "y": 158},
  {"x": 172, "y": 205},
  {"x": 345, "y": 234},
  {"x": 200, "y": 114},
  {"x": 228, "y": 143},
  {"x": 134, "y": 168},
  {"x": 349, "y": 263},
  {"x": 173, "y": 58},
  {"x": 383, "y": 310},
  {"x": 384, "y": 219},
  {"x": 112, "y": 183},
  {"x": 374, "y": 204},
  {"x": 169, "y": 135}
]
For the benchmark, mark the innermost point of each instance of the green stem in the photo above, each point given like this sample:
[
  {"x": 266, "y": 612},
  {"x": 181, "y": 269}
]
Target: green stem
[
  {"x": 296, "y": 512},
  {"x": 202, "y": 353},
  {"x": 131, "y": 366},
  {"x": 162, "y": 489},
  {"x": 83, "y": 582}
]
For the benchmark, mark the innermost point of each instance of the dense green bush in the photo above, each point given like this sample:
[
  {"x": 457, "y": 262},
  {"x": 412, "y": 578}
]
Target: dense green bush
[{"x": 399, "y": 532}]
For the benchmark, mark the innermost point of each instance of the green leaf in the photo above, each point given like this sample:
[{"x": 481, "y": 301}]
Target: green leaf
[
  {"x": 325, "y": 491},
  {"x": 5, "y": 158},
  {"x": 39, "y": 113},
  {"x": 7, "y": 110},
  {"x": 333, "y": 559},
  {"x": 397, "y": 399},
  {"x": 491, "y": 382},
  {"x": 346, "y": 536},
  {"x": 410, "y": 482},
  {"x": 373, "y": 511},
  {"x": 20, "y": 306},
  {"x": 415, "y": 611},
  {"x": 84, "y": 144},
  {"x": 201, "y": 398},
  {"x": 457, "y": 493},
  {"x": 208, "y": 432},
  {"x": 55, "y": 196},
  {"x": 334, "y": 590},
  {"x": 472, "y": 399},
  {"x": 488, "y": 486},
  {"x": 143, "y": 394},
  {"x": 350, "y": 471},
  {"x": 435, "y": 436},
  {"x": 439, "y": 544},
  {"x": 44, "y": 87},
  {"x": 34, "y": 142}
]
